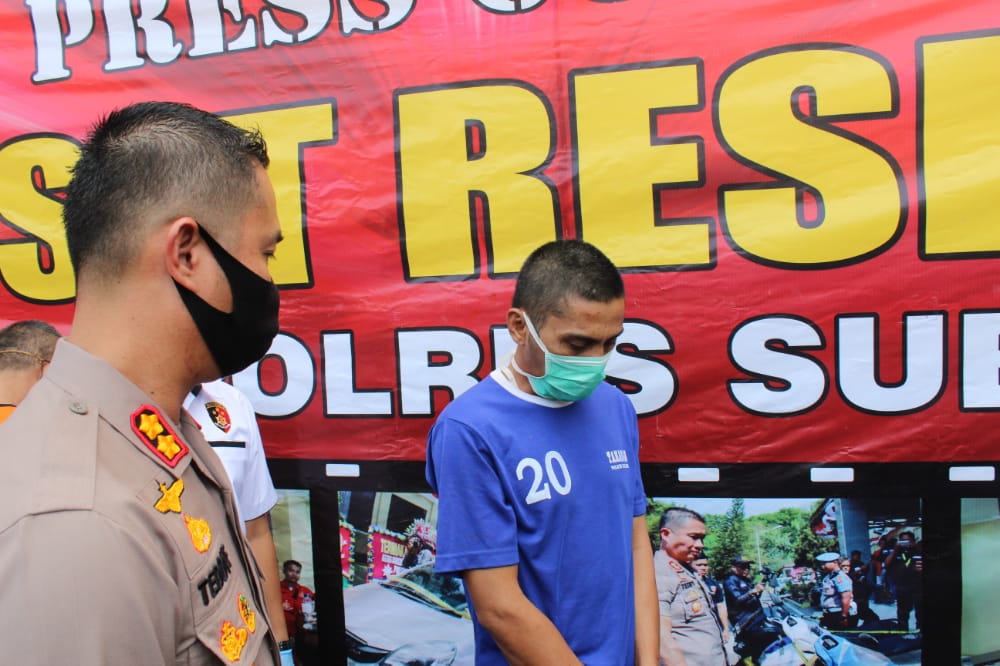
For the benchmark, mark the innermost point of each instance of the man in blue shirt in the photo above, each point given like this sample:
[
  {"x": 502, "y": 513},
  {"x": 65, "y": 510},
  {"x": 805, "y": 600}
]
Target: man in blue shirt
[{"x": 537, "y": 454}]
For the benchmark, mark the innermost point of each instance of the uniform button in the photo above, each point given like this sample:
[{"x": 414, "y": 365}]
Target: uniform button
[{"x": 78, "y": 408}]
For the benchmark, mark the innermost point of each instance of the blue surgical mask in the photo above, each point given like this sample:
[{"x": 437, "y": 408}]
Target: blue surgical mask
[{"x": 566, "y": 378}]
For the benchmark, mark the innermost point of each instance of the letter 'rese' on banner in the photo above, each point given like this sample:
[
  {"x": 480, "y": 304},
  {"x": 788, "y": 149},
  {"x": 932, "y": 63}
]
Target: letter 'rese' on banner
[{"x": 803, "y": 200}]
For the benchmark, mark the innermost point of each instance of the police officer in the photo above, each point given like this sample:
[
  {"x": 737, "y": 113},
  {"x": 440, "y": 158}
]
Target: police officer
[
  {"x": 702, "y": 568},
  {"x": 119, "y": 539},
  {"x": 836, "y": 597},
  {"x": 691, "y": 632},
  {"x": 745, "y": 610}
]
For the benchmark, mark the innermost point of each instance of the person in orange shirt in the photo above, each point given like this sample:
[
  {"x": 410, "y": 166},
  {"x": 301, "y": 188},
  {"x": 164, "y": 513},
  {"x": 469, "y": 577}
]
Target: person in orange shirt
[{"x": 25, "y": 349}]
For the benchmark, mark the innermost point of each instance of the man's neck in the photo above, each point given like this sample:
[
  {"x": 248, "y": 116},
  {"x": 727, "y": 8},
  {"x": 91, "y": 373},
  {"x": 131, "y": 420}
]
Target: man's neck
[
  {"x": 15, "y": 384},
  {"x": 158, "y": 363}
]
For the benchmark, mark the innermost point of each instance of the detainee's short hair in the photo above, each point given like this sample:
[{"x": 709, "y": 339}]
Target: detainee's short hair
[
  {"x": 677, "y": 516},
  {"x": 290, "y": 563},
  {"x": 26, "y": 344},
  {"x": 150, "y": 163},
  {"x": 562, "y": 269}
]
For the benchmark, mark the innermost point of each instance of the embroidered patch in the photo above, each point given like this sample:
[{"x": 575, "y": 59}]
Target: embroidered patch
[
  {"x": 220, "y": 415},
  {"x": 696, "y": 607},
  {"x": 201, "y": 533},
  {"x": 155, "y": 433},
  {"x": 232, "y": 640},
  {"x": 170, "y": 500},
  {"x": 249, "y": 616}
]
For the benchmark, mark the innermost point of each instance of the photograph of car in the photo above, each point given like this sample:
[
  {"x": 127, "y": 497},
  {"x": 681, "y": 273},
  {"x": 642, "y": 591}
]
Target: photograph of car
[{"x": 415, "y": 618}]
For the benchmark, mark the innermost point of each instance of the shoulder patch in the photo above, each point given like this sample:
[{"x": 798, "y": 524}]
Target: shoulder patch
[
  {"x": 156, "y": 433},
  {"x": 219, "y": 415},
  {"x": 675, "y": 566}
]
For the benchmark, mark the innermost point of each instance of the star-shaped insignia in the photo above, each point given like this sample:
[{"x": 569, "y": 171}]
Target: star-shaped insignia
[
  {"x": 171, "y": 499},
  {"x": 150, "y": 425},
  {"x": 166, "y": 445}
]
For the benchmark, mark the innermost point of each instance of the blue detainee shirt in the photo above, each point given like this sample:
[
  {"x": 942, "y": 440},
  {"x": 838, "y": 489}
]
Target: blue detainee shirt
[{"x": 553, "y": 488}]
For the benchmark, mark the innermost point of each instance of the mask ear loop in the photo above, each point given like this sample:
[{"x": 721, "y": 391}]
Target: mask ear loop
[
  {"x": 534, "y": 334},
  {"x": 538, "y": 341}
]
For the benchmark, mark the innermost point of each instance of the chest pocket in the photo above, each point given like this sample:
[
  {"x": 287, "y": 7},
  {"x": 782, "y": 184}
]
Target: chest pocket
[
  {"x": 229, "y": 626},
  {"x": 225, "y": 622},
  {"x": 695, "y": 605}
]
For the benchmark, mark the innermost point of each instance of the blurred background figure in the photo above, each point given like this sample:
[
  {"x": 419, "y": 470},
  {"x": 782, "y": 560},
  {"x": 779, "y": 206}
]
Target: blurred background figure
[
  {"x": 299, "y": 605},
  {"x": 25, "y": 349},
  {"x": 904, "y": 566},
  {"x": 702, "y": 567}
]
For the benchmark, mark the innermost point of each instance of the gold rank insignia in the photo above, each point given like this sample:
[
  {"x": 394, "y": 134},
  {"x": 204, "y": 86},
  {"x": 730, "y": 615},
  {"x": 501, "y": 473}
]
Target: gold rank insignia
[
  {"x": 155, "y": 432},
  {"x": 170, "y": 499},
  {"x": 675, "y": 566},
  {"x": 201, "y": 533},
  {"x": 249, "y": 616},
  {"x": 232, "y": 640},
  {"x": 220, "y": 415}
]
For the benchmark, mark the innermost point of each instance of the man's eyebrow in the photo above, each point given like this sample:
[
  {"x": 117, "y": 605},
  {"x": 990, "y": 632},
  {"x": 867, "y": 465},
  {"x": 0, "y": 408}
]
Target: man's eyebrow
[{"x": 586, "y": 338}]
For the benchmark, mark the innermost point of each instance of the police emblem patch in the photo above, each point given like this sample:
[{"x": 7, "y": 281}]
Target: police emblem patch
[
  {"x": 155, "y": 432},
  {"x": 201, "y": 533},
  {"x": 219, "y": 415},
  {"x": 232, "y": 640}
]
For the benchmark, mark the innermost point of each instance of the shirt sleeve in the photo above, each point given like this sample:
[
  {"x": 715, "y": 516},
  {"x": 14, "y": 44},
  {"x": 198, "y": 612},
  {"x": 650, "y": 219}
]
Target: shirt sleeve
[
  {"x": 78, "y": 589},
  {"x": 476, "y": 523},
  {"x": 639, "y": 492},
  {"x": 666, "y": 584},
  {"x": 257, "y": 495}
]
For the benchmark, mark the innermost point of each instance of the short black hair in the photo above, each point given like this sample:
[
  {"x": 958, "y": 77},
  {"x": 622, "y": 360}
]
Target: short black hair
[
  {"x": 290, "y": 563},
  {"x": 149, "y": 163},
  {"x": 562, "y": 269},
  {"x": 676, "y": 516},
  {"x": 25, "y": 344}
]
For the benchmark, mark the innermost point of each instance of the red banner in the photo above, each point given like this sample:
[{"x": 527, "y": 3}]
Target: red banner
[
  {"x": 802, "y": 196},
  {"x": 385, "y": 553},
  {"x": 346, "y": 552}
]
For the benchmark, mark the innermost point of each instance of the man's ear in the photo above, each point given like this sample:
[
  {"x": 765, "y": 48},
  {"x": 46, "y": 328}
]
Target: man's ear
[
  {"x": 516, "y": 327},
  {"x": 181, "y": 254}
]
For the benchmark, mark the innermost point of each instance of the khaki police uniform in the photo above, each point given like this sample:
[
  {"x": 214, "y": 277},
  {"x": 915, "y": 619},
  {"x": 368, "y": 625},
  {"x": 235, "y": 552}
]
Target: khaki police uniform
[
  {"x": 119, "y": 540},
  {"x": 694, "y": 621}
]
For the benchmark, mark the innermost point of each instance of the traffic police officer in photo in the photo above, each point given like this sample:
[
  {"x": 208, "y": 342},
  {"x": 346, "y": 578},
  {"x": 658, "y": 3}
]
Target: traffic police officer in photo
[
  {"x": 837, "y": 597},
  {"x": 119, "y": 538}
]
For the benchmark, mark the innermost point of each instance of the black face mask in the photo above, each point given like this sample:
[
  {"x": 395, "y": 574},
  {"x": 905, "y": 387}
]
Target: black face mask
[{"x": 238, "y": 338}]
